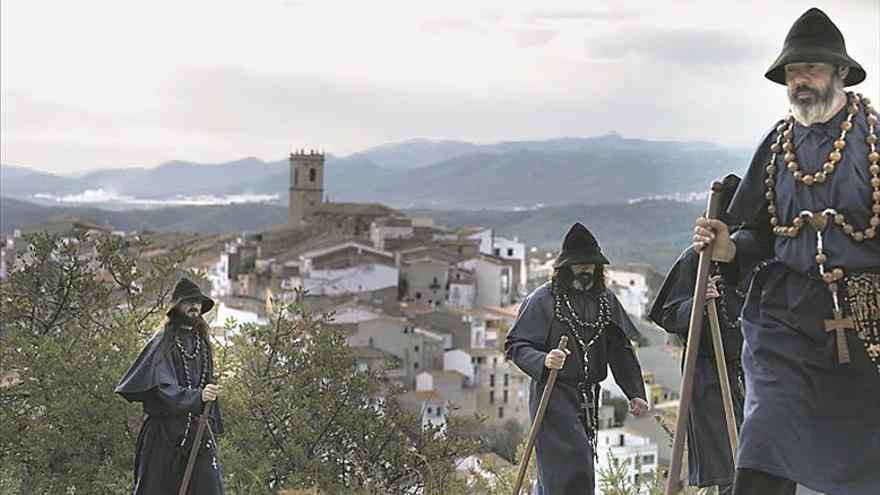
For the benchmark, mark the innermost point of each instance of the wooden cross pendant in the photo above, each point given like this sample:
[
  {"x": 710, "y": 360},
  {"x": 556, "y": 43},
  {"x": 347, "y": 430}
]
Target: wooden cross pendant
[{"x": 840, "y": 325}]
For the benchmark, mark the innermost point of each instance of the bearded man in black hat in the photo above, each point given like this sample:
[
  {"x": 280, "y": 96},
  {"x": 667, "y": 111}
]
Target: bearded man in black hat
[
  {"x": 172, "y": 378},
  {"x": 710, "y": 465},
  {"x": 811, "y": 352},
  {"x": 576, "y": 303}
]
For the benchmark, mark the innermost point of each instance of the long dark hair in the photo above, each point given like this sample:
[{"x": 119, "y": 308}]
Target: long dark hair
[
  {"x": 170, "y": 329},
  {"x": 561, "y": 280}
]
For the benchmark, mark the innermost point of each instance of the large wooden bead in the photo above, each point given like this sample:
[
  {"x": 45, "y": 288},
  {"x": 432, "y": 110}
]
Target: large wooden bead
[
  {"x": 789, "y": 157},
  {"x": 788, "y": 146},
  {"x": 820, "y": 177},
  {"x": 871, "y": 139},
  {"x": 798, "y": 175},
  {"x": 798, "y": 222},
  {"x": 870, "y": 232},
  {"x": 875, "y": 195},
  {"x": 832, "y": 288},
  {"x": 872, "y": 119},
  {"x": 874, "y": 169},
  {"x": 875, "y": 182},
  {"x": 792, "y": 166},
  {"x": 828, "y": 168},
  {"x": 875, "y": 208},
  {"x": 771, "y": 209},
  {"x": 858, "y": 236},
  {"x": 839, "y": 218},
  {"x": 874, "y": 221},
  {"x": 769, "y": 195},
  {"x": 848, "y": 229},
  {"x": 852, "y": 109},
  {"x": 839, "y": 144},
  {"x": 821, "y": 259},
  {"x": 874, "y": 156},
  {"x": 827, "y": 277},
  {"x": 771, "y": 169},
  {"x": 846, "y": 126},
  {"x": 769, "y": 182},
  {"x": 788, "y": 134},
  {"x": 808, "y": 179},
  {"x": 834, "y": 156},
  {"x": 838, "y": 273},
  {"x": 775, "y": 147},
  {"x": 774, "y": 221}
]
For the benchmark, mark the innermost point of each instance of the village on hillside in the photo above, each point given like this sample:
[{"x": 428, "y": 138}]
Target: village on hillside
[{"x": 433, "y": 302}]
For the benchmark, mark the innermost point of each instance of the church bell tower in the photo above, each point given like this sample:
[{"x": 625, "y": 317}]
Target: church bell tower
[{"x": 306, "y": 186}]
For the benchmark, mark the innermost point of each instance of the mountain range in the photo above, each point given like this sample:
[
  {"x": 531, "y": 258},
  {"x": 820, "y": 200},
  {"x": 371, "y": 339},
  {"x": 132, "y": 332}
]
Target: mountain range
[{"x": 423, "y": 173}]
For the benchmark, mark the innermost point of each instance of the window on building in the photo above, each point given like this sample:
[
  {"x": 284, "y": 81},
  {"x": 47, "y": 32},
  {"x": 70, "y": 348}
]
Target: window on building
[
  {"x": 506, "y": 379},
  {"x": 494, "y": 362},
  {"x": 418, "y": 295},
  {"x": 505, "y": 396},
  {"x": 647, "y": 459},
  {"x": 416, "y": 348},
  {"x": 491, "y": 397},
  {"x": 510, "y": 251},
  {"x": 632, "y": 282},
  {"x": 622, "y": 443},
  {"x": 492, "y": 380},
  {"x": 295, "y": 176},
  {"x": 371, "y": 341},
  {"x": 500, "y": 412},
  {"x": 429, "y": 411},
  {"x": 312, "y": 175},
  {"x": 497, "y": 252}
]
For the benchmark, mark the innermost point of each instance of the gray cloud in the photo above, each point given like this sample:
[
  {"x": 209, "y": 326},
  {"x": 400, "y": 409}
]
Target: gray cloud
[{"x": 686, "y": 47}]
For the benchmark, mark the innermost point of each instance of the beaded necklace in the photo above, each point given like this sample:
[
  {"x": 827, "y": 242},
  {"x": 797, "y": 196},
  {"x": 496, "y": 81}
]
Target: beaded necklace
[
  {"x": 198, "y": 352},
  {"x": 586, "y": 334},
  {"x": 820, "y": 219}
]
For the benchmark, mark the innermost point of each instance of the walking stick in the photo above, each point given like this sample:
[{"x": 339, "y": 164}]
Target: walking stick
[
  {"x": 539, "y": 416},
  {"x": 191, "y": 462},
  {"x": 726, "y": 397},
  {"x": 690, "y": 355}
]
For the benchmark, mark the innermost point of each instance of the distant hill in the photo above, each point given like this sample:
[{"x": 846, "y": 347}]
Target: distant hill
[
  {"x": 435, "y": 174},
  {"x": 15, "y": 214},
  {"x": 650, "y": 231}
]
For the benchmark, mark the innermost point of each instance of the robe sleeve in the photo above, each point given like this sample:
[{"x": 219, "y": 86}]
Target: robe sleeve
[
  {"x": 754, "y": 242},
  {"x": 672, "y": 308},
  {"x": 152, "y": 376},
  {"x": 621, "y": 357},
  {"x": 526, "y": 343}
]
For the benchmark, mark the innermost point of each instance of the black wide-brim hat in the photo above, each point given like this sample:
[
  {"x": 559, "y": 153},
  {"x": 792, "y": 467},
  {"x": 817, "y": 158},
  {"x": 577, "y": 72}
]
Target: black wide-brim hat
[
  {"x": 814, "y": 38},
  {"x": 579, "y": 247},
  {"x": 728, "y": 187},
  {"x": 185, "y": 290}
]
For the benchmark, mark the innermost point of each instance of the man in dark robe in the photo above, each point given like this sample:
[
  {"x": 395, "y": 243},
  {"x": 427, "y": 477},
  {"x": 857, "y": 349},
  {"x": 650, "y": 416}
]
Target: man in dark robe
[
  {"x": 710, "y": 463},
  {"x": 172, "y": 379},
  {"x": 811, "y": 352},
  {"x": 576, "y": 303}
]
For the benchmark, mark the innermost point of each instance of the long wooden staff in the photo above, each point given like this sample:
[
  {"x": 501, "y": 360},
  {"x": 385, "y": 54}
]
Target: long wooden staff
[
  {"x": 691, "y": 350},
  {"x": 191, "y": 462},
  {"x": 726, "y": 397},
  {"x": 539, "y": 416}
]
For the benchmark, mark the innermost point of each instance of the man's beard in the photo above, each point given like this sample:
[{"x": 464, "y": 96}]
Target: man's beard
[
  {"x": 807, "y": 113},
  {"x": 186, "y": 320},
  {"x": 582, "y": 282}
]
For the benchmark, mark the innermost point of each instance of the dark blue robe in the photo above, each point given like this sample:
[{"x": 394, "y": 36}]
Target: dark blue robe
[
  {"x": 709, "y": 459},
  {"x": 155, "y": 381},
  {"x": 563, "y": 452},
  {"x": 807, "y": 417}
]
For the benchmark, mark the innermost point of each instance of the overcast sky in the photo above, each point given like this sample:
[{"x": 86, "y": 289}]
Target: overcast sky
[{"x": 112, "y": 84}]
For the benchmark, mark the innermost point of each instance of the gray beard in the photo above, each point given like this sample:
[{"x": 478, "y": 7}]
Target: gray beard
[
  {"x": 578, "y": 284},
  {"x": 807, "y": 114}
]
